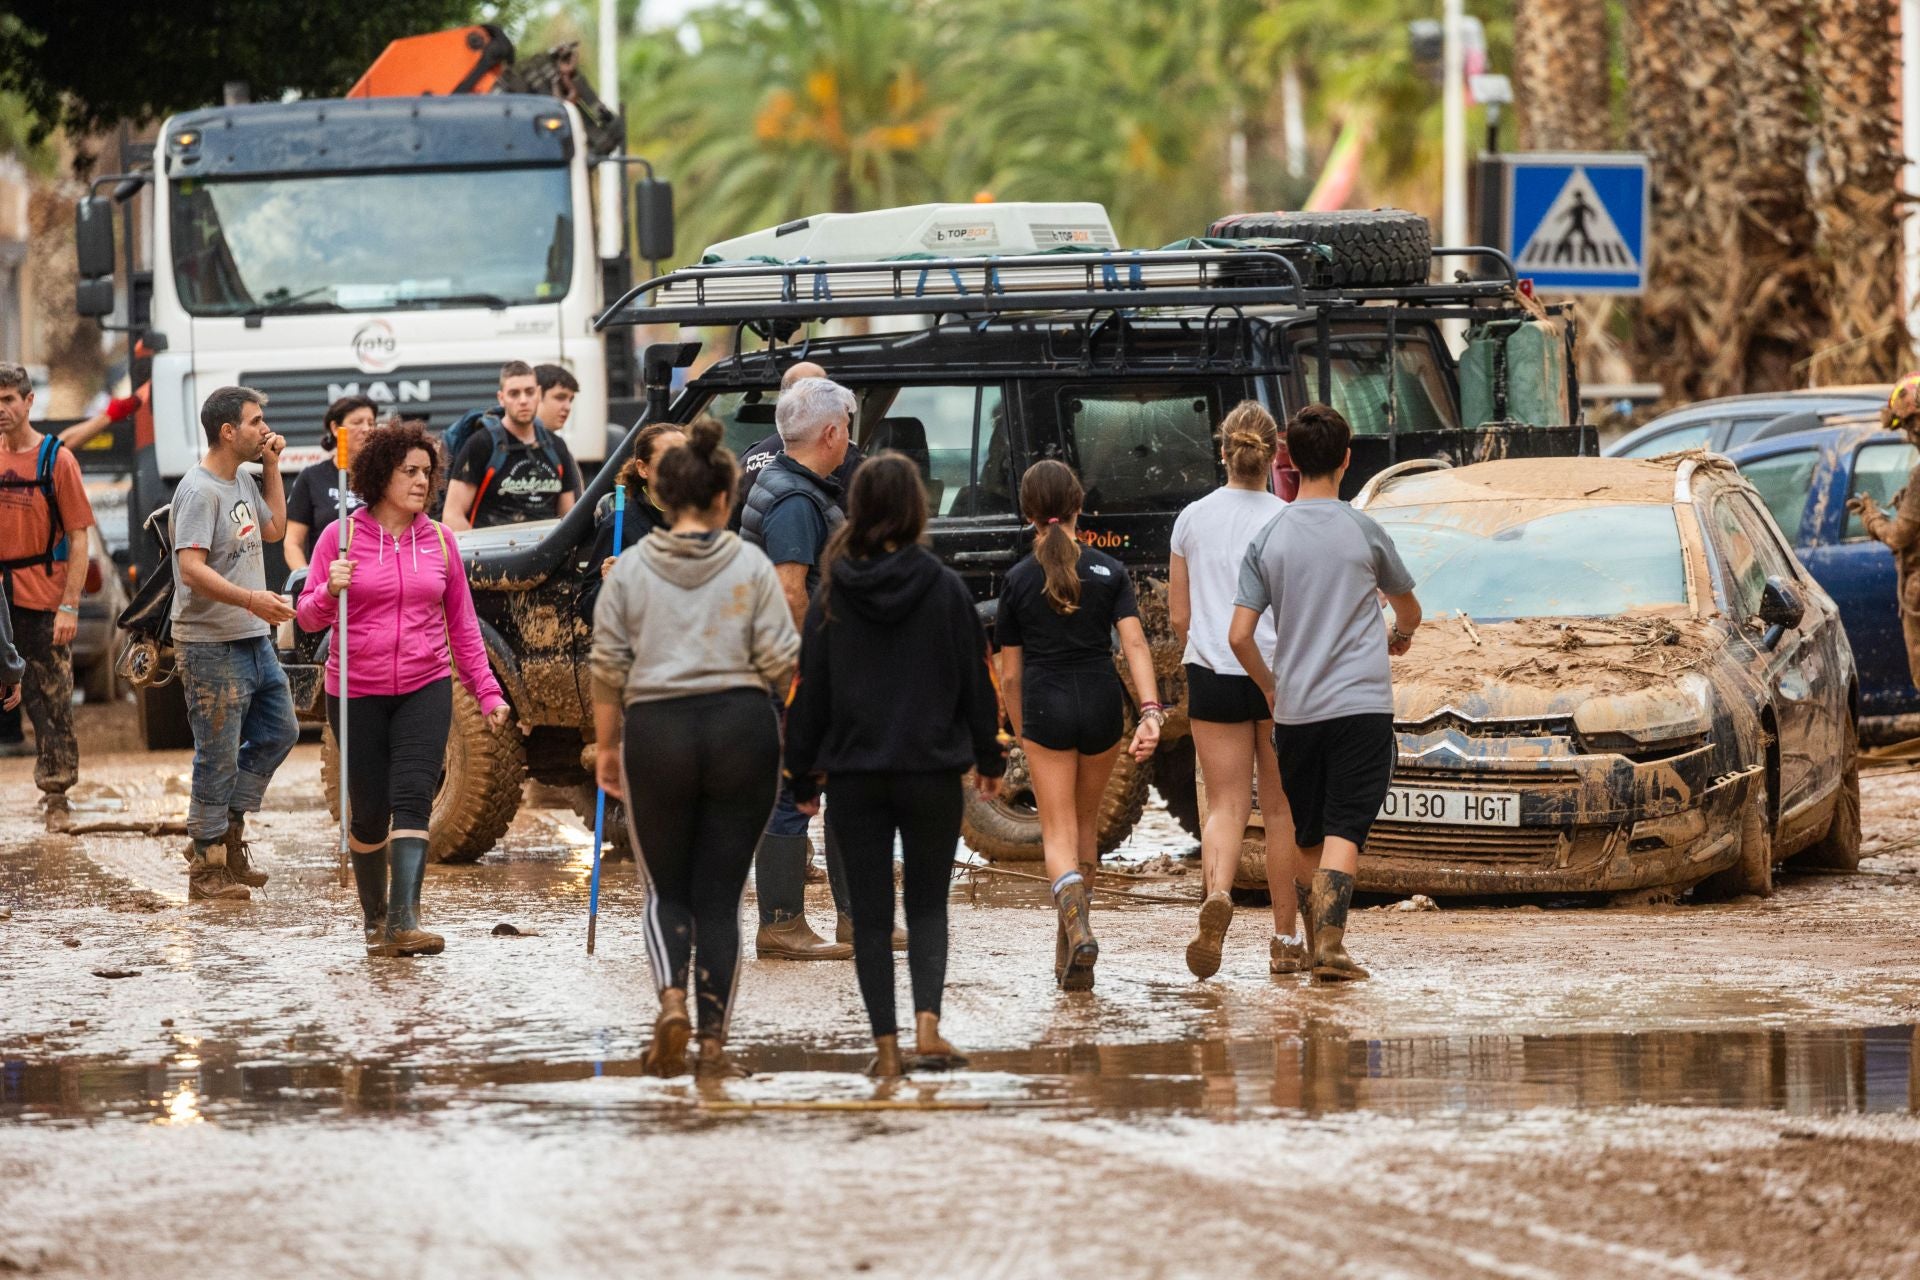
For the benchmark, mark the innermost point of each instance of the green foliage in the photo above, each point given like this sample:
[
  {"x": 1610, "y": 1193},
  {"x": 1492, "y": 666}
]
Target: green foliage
[{"x": 85, "y": 65}]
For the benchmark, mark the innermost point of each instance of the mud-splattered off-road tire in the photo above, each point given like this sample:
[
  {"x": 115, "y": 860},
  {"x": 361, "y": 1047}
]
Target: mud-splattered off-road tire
[
  {"x": 619, "y": 843},
  {"x": 1753, "y": 873},
  {"x": 1839, "y": 848},
  {"x": 479, "y": 790},
  {"x": 1369, "y": 246},
  {"x": 1007, "y": 829}
]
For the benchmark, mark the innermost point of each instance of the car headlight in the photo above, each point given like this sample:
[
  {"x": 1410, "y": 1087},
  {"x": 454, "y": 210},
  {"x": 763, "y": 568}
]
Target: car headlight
[{"x": 1667, "y": 718}]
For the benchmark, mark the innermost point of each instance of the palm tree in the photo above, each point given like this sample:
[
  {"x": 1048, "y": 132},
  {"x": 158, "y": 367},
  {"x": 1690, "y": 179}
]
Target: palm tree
[
  {"x": 769, "y": 112},
  {"x": 1857, "y": 192}
]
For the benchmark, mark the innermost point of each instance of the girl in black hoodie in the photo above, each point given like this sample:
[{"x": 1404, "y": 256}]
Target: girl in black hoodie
[{"x": 894, "y": 702}]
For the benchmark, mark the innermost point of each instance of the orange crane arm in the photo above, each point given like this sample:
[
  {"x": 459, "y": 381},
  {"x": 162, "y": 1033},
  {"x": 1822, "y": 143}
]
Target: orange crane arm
[{"x": 462, "y": 60}]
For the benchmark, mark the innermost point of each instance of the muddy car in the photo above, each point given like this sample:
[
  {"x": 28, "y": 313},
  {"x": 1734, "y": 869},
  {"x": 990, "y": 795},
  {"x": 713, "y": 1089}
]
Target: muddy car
[
  {"x": 1121, "y": 363},
  {"x": 1626, "y": 685}
]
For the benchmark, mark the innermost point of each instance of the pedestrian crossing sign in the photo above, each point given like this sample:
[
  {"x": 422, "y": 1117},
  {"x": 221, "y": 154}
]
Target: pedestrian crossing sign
[{"x": 1578, "y": 223}]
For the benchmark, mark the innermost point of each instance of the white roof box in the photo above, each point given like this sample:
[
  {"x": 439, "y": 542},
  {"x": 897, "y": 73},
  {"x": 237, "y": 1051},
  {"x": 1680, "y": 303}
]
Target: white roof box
[{"x": 943, "y": 230}]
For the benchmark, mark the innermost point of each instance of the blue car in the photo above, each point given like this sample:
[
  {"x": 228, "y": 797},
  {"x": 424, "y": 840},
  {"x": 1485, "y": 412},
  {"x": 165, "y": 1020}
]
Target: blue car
[{"x": 1805, "y": 480}]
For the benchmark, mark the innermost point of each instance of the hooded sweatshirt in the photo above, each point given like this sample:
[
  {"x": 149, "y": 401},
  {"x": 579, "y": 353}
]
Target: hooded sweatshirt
[
  {"x": 894, "y": 675},
  {"x": 686, "y": 614},
  {"x": 407, "y": 603}
]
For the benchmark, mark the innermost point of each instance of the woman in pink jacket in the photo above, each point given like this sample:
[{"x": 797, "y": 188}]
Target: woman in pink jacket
[{"x": 410, "y": 621}]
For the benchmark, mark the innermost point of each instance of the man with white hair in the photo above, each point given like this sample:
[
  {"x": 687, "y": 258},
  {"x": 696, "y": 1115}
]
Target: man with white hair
[
  {"x": 791, "y": 510},
  {"x": 757, "y": 456}
]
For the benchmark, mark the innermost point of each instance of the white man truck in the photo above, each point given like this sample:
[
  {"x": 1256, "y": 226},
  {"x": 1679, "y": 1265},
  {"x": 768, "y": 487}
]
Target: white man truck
[{"x": 397, "y": 247}]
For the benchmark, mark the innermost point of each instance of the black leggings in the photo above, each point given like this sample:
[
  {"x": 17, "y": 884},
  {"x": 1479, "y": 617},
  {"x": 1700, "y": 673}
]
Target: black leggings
[
  {"x": 396, "y": 749},
  {"x": 701, "y": 775},
  {"x": 865, "y": 810}
]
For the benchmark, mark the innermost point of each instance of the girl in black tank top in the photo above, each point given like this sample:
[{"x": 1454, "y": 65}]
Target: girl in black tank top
[{"x": 1059, "y": 608}]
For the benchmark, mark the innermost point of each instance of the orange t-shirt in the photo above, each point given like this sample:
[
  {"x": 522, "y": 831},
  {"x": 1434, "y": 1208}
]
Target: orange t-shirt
[{"x": 25, "y": 525}]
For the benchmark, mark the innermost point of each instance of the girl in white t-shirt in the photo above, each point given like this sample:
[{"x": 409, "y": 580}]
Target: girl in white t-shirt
[{"x": 1232, "y": 722}]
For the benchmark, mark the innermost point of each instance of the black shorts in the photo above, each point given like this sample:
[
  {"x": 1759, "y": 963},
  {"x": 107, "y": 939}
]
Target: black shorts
[
  {"x": 1336, "y": 774},
  {"x": 1222, "y": 699},
  {"x": 1082, "y": 710}
]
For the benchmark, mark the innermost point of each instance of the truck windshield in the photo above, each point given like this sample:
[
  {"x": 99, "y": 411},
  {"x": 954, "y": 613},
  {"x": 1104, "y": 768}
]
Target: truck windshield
[
  {"x": 373, "y": 242},
  {"x": 1513, "y": 562}
]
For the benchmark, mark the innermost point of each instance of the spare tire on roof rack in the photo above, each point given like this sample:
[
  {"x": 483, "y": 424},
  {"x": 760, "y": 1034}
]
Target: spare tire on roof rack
[{"x": 1378, "y": 247}]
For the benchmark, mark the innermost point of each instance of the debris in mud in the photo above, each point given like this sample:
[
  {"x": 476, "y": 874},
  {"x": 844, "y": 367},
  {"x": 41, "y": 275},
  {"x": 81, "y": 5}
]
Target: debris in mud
[
  {"x": 1418, "y": 902},
  {"x": 1611, "y": 655},
  {"x": 121, "y": 826},
  {"x": 116, "y": 973},
  {"x": 69, "y": 942},
  {"x": 1162, "y": 864},
  {"x": 166, "y": 1022},
  {"x": 505, "y": 930},
  {"x": 6, "y": 913}
]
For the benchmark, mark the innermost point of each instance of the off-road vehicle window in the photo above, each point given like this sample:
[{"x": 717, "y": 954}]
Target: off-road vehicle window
[
  {"x": 746, "y": 415},
  {"x": 956, "y": 434},
  {"x": 1422, "y": 401},
  {"x": 1141, "y": 449}
]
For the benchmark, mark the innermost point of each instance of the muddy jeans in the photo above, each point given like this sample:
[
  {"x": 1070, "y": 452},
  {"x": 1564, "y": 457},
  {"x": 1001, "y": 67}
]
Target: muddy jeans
[
  {"x": 46, "y": 692},
  {"x": 243, "y": 727}
]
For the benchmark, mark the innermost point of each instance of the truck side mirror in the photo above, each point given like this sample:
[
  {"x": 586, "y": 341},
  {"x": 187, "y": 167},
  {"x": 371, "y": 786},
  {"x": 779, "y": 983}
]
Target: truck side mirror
[
  {"x": 653, "y": 204},
  {"x": 94, "y": 298},
  {"x": 93, "y": 237}
]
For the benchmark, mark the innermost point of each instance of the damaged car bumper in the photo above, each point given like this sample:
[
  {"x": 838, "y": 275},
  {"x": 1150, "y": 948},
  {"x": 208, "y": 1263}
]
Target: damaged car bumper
[{"x": 1572, "y": 820}]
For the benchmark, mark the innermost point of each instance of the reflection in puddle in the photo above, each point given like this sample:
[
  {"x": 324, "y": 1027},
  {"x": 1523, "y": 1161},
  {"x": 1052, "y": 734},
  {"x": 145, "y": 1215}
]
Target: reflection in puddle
[{"x": 1800, "y": 1071}]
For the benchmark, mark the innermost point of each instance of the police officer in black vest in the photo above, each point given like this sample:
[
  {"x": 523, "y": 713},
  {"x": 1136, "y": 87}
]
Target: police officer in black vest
[{"x": 791, "y": 509}]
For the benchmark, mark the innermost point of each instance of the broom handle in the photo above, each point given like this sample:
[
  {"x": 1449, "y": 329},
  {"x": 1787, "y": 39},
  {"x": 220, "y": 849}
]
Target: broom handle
[{"x": 600, "y": 797}]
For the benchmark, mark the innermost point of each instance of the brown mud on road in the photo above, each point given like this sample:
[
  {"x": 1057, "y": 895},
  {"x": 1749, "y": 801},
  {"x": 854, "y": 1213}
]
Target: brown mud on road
[{"x": 1529, "y": 1091}]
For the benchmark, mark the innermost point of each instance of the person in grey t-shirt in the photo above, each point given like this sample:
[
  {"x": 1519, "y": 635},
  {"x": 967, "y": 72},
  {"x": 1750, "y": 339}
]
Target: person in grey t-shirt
[
  {"x": 1321, "y": 566},
  {"x": 238, "y": 701}
]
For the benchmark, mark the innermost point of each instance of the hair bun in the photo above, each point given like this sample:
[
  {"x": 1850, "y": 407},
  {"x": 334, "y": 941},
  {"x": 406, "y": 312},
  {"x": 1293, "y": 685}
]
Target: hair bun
[{"x": 704, "y": 436}]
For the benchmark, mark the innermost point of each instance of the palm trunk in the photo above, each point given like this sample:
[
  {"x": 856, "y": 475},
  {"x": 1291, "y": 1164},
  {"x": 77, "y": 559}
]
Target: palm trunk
[{"x": 1857, "y": 192}]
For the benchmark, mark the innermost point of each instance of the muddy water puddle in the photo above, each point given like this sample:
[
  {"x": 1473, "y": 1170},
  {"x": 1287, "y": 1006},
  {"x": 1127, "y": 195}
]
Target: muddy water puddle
[{"x": 1807, "y": 1072}]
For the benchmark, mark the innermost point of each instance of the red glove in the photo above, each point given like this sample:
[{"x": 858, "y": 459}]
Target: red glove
[{"x": 124, "y": 407}]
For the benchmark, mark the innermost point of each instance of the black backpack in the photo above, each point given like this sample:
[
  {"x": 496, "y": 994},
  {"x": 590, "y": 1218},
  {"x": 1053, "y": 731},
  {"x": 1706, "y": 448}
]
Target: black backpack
[{"x": 146, "y": 657}]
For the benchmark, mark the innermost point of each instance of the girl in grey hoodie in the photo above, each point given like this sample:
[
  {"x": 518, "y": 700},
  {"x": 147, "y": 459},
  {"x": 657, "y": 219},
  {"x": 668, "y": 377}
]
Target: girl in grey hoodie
[{"x": 690, "y": 635}]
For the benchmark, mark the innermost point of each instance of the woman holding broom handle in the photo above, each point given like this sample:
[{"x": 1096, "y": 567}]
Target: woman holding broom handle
[{"x": 410, "y": 621}]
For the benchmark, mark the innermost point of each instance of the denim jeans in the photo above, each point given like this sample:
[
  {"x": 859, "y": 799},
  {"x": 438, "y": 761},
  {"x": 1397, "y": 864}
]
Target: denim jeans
[{"x": 243, "y": 727}]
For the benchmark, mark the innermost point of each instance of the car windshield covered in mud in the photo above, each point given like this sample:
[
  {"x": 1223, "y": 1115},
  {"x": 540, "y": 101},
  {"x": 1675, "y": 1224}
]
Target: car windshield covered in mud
[{"x": 1634, "y": 689}]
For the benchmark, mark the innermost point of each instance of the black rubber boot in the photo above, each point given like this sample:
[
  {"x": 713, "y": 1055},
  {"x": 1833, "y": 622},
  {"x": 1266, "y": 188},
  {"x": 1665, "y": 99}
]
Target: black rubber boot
[
  {"x": 370, "y": 877},
  {"x": 1082, "y": 950},
  {"x": 407, "y": 857},
  {"x": 1329, "y": 899}
]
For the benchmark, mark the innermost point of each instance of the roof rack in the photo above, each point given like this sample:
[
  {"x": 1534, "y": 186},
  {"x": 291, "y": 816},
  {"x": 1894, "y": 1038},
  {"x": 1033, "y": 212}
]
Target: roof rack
[{"x": 745, "y": 293}]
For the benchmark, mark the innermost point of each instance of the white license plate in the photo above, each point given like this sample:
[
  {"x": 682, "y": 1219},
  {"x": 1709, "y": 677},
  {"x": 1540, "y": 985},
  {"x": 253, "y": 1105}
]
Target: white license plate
[{"x": 1452, "y": 808}]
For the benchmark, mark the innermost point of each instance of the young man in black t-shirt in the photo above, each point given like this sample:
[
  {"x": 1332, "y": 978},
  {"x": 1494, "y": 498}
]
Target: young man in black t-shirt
[{"x": 537, "y": 479}]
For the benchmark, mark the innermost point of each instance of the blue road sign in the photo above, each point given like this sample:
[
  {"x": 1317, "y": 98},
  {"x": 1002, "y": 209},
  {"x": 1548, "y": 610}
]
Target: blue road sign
[{"x": 1578, "y": 223}]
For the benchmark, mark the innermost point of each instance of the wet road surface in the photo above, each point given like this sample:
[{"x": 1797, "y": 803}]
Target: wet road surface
[{"x": 1539, "y": 1090}]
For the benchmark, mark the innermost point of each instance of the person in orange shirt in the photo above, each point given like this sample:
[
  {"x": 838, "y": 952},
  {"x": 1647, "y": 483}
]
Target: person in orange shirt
[{"x": 44, "y": 518}]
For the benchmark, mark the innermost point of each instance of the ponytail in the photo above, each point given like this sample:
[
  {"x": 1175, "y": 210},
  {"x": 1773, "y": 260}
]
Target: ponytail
[
  {"x": 1050, "y": 495},
  {"x": 1248, "y": 440}
]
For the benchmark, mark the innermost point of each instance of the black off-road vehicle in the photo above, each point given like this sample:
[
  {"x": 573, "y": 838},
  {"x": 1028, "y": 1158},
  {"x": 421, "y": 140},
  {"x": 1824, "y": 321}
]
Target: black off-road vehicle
[{"x": 1119, "y": 363}]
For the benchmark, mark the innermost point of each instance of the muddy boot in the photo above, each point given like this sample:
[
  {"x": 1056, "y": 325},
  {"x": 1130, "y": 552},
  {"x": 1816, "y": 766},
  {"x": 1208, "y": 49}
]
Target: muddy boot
[
  {"x": 1285, "y": 955},
  {"x": 370, "y": 878},
  {"x": 240, "y": 855},
  {"x": 667, "y": 1055},
  {"x": 794, "y": 939},
  {"x": 931, "y": 1049},
  {"x": 1203, "y": 953},
  {"x": 886, "y": 1058},
  {"x": 59, "y": 816},
  {"x": 1301, "y": 896},
  {"x": 407, "y": 857},
  {"x": 1328, "y": 900},
  {"x": 207, "y": 878},
  {"x": 1079, "y": 951},
  {"x": 843, "y": 932},
  {"x": 713, "y": 1062}
]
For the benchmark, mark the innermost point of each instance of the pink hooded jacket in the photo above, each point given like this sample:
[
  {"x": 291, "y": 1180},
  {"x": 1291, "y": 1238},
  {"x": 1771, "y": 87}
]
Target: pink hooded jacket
[{"x": 408, "y": 599}]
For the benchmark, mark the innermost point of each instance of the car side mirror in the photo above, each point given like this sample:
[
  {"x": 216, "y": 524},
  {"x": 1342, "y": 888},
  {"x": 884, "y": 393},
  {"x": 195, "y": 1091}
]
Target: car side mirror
[{"x": 1781, "y": 609}]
